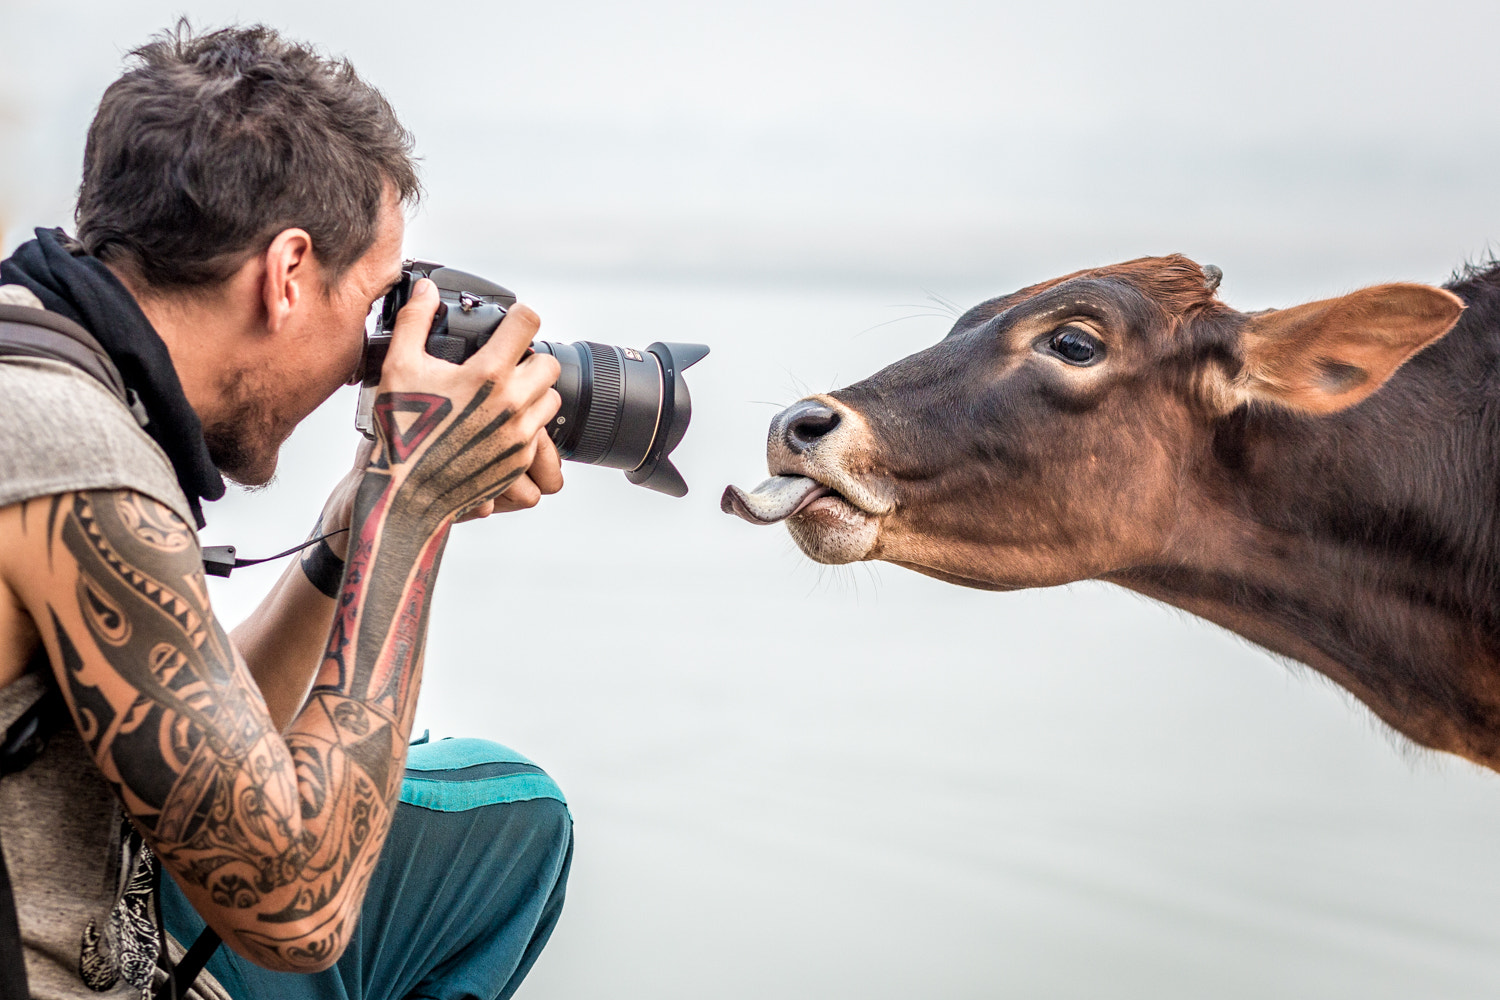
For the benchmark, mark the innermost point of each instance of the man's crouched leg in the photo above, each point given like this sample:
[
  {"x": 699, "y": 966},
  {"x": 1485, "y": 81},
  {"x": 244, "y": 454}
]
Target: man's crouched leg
[{"x": 468, "y": 889}]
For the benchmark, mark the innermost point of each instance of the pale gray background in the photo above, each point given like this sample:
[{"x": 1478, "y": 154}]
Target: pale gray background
[{"x": 800, "y": 783}]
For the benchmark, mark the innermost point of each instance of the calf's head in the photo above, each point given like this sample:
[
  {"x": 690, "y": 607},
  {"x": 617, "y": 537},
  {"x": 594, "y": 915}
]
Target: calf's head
[{"x": 1058, "y": 433}]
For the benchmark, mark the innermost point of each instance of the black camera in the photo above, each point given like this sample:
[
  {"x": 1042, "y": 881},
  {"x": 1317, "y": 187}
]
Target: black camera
[{"x": 621, "y": 408}]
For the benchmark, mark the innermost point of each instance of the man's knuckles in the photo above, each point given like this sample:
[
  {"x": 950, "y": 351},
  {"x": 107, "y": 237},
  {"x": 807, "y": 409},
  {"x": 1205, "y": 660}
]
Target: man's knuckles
[
  {"x": 546, "y": 367},
  {"x": 523, "y": 495},
  {"x": 397, "y": 370},
  {"x": 521, "y": 397},
  {"x": 532, "y": 374},
  {"x": 523, "y": 319}
]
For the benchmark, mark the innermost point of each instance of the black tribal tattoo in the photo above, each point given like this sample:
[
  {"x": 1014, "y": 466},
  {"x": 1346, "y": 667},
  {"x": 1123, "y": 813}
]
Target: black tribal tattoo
[{"x": 284, "y": 828}]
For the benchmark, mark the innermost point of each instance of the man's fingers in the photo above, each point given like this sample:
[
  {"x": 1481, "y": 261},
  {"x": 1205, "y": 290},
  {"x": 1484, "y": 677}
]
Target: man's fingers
[
  {"x": 508, "y": 344},
  {"x": 546, "y": 467},
  {"x": 477, "y": 512},
  {"x": 522, "y": 494},
  {"x": 409, "y": 338},
  {"x": 533, "y": 419},
  {"x": 527, "y": 384}
]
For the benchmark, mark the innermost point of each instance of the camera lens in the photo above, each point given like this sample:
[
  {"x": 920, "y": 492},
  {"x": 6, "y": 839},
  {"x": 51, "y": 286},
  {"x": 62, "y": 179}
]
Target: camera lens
[
  {"x": 611, "y": 403},
  {"x": 621, "y": 408}
]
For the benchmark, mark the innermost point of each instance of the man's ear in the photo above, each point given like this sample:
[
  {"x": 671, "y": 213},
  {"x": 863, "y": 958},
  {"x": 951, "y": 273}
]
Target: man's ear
[
  {"x": 290, "y": 275},
  {"x": 1326, "y": 356}
]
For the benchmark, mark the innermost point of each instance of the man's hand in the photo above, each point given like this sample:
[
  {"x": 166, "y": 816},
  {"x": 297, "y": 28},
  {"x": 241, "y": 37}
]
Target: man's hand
[
  {"x": 454, "y": 437},
  {"x": 542, "y": 478}
]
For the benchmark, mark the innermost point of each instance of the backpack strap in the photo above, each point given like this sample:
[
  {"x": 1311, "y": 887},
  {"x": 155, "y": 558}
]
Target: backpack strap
[
  {"x": 13, "y": 984},
  {"x": 180, "y": 978},
  {"x": 26, "y": 331},
  {"x": 29, "y": 332}
]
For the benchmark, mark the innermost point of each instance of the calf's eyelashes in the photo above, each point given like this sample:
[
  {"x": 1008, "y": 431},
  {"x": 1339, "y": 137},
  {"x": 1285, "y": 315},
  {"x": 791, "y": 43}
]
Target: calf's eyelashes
[{"x": 1075, "y": 344}]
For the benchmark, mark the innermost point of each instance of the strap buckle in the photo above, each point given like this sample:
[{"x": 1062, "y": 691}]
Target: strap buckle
[{"x": 24, "y": 740}]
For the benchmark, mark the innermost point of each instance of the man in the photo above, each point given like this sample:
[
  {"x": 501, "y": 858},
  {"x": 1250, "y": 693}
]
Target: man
[{"x": 240, "y": 211}]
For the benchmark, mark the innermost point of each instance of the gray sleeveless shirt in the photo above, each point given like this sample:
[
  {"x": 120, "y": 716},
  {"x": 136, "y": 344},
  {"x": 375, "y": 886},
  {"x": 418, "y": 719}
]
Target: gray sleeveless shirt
[{"x": 86, "y": 929}]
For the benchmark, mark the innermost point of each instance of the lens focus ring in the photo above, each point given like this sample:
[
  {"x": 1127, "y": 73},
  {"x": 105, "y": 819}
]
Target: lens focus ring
[{"x": 606, "y": 403}]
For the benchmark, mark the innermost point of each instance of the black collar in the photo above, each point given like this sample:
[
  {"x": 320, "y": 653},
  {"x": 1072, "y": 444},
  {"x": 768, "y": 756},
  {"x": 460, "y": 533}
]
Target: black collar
[{"x": 80, "y": 287}]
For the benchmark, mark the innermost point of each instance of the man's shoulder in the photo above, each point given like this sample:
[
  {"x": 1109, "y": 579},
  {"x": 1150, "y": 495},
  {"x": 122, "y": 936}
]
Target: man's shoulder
[
  {"x": 19, "y": 295},
  {"x": 64, "y": 431}
]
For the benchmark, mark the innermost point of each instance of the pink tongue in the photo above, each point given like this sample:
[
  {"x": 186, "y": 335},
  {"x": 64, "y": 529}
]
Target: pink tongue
[{"x": 776, "y": 499}]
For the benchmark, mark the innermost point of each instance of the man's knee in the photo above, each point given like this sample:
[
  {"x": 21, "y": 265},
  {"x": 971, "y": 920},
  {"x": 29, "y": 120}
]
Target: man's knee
[{"x": 493, "y": 786}]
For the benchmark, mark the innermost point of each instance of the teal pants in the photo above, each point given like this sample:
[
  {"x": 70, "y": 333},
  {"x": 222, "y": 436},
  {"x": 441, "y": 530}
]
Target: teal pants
[{"x": 469, "y": 886}]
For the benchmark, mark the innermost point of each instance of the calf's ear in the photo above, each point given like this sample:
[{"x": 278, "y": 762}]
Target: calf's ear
[{"x": 1326, "y": 356}]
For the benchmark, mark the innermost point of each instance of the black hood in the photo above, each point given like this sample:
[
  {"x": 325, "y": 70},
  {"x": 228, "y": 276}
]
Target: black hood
[{"x": 82, "y": 289}]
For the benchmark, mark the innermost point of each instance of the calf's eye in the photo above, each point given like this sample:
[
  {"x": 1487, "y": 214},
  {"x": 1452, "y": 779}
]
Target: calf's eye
[{"x": 1076, "y": 346}]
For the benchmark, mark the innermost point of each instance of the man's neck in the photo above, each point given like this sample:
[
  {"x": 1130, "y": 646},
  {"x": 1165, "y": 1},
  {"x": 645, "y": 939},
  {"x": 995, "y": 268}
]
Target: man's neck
[{"x": 202, "y": 335}]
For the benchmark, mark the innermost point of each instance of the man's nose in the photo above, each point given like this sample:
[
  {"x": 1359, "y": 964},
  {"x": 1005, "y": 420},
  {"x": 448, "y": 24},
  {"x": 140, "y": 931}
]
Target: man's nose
[{"x": 802, "y": 425}]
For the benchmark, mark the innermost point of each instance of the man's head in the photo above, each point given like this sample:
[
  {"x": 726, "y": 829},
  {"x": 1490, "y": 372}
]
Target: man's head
[{"x": 244, "y": 177}]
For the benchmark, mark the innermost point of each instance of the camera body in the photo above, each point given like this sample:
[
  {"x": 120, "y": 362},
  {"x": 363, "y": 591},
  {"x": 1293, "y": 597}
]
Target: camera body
[{"x": 621, "y": 408}]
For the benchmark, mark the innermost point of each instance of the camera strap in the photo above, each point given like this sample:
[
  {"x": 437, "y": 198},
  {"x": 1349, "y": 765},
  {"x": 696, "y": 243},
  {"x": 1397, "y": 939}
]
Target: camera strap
[{"x": 220, "y": 560}]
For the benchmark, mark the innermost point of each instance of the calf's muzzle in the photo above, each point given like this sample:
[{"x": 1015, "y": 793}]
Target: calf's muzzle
[{"x": 802, "y": 425}]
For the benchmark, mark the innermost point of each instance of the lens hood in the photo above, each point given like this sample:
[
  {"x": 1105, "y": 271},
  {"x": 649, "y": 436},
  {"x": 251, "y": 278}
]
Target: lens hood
[{"x": 657, "y": 471}]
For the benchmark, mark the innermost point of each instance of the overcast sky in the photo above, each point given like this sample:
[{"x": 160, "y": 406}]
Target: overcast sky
[{"x": 1298, "y": 144}]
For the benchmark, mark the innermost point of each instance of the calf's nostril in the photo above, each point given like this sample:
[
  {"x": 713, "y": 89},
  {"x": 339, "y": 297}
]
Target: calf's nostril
[{"x": 808, "y": 422}]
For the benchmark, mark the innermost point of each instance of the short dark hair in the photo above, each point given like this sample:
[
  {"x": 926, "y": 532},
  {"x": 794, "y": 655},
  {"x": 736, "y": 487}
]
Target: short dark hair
[{"x": 210, "y": 145}]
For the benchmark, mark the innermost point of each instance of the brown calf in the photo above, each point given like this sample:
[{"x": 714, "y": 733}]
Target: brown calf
[{"x": 1124, "y": 424}]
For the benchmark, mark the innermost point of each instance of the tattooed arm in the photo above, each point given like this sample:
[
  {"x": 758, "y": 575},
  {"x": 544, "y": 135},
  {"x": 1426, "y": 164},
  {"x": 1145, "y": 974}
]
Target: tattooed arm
[
  {"x": 273, "y": 835},
  {"x": 283, "y": 639}
]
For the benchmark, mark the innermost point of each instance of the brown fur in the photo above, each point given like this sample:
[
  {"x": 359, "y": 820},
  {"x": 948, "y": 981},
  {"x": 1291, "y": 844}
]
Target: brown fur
[{"x": 1240, "y": 466}]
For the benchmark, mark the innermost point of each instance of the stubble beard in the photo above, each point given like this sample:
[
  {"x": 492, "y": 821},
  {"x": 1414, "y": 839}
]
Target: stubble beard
[{"x": 242, "y": 440}]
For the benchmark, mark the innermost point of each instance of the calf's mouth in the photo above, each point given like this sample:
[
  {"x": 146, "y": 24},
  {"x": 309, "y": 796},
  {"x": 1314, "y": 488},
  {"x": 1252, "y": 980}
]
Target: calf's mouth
[
  {"x": 833, "y": 514},
  {"x": 812, "y": 453},
  {"x": 776, "y": 499},
  {"x": 824, "y": 523}
]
